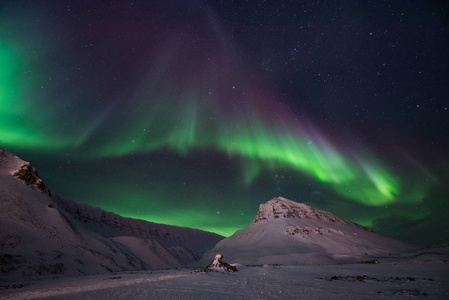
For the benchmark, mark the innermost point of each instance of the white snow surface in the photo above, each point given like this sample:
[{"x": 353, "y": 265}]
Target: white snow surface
[
  {"x": 290, "y": 233},
  {"x": 419, "y": 276},
  {"x": 42, "y": 235}
]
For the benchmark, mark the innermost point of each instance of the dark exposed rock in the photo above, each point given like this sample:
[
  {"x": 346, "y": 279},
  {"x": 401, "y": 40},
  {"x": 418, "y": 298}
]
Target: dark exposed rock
[
  {"x": 218, "y": 265},
  {"x": 28, "y": 174}
]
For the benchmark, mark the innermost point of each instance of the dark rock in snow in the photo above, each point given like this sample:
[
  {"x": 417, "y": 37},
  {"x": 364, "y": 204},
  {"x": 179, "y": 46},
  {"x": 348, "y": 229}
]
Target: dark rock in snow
[{"x": 218, "y": 265}]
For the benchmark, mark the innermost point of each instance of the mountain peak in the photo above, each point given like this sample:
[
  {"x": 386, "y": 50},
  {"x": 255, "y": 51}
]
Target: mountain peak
[
  {"x": 22, "y": 170},
  {"x": 287, "y": 232},
  {"x": 280, "y": 207}
]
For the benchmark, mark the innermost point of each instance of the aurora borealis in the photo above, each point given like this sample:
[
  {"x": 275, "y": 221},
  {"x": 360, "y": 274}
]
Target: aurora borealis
[{"x": 193, "y": 113}]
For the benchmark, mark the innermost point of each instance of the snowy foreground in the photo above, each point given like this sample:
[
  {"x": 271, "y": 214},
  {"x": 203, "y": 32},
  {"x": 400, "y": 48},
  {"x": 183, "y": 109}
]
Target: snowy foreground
[{"x": 408, "y": 279}]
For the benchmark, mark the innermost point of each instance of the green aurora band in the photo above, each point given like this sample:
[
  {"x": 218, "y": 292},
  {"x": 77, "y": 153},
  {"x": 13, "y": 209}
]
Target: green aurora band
[
  {"x": 262, "y": 145},
  {"x": 184, "y": 123}
]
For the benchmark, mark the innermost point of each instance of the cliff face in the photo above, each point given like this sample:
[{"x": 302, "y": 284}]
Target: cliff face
[{"x": 280, "y": 207}]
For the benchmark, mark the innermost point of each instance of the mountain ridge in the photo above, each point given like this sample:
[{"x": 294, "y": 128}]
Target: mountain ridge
[{"x": 47, "y": 235}]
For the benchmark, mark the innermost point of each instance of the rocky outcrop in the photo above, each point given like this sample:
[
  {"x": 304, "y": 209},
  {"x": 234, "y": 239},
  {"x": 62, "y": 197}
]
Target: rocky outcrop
[
  {"x": 28, "y": 174},
  {"x": 218, "y": 265}
]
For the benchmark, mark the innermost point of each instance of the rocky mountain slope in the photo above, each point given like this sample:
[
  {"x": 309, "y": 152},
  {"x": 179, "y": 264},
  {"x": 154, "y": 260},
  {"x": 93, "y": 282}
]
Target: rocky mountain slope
[
  {"x": 287, "y": 232},
  {"x": 49, "y": 235}
]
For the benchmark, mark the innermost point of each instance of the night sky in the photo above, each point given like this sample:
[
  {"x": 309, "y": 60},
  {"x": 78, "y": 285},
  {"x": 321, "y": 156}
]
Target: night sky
[{"x": 192, "y": 113}]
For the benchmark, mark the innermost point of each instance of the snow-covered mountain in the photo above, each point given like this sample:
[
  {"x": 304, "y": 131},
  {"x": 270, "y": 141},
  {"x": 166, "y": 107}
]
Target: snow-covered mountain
[
  {"x": 42, "y": 234},
  {"x": 287, "y": 232}
]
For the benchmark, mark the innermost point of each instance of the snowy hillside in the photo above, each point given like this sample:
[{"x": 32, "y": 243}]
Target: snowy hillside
[
  {"x": 42, "y": 234},
  {"x": 286, "y": 232}
]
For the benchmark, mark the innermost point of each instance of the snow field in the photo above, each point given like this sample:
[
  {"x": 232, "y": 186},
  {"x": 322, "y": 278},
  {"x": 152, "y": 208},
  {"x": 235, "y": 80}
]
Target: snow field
[{"x": 399, "y": 280}]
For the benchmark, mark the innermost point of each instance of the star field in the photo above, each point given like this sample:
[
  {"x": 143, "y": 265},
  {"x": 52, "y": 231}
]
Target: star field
[{"x": 193, "y": 113}]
